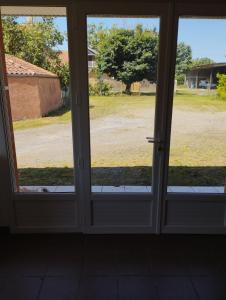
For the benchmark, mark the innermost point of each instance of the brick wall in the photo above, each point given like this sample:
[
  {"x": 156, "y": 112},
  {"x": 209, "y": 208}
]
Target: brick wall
[{"x": 33, "y": 97}]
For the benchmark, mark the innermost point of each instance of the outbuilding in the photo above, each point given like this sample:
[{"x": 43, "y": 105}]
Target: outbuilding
[
  {"x": 204, "y": 76},
  {"x": 33, "y": 91}
]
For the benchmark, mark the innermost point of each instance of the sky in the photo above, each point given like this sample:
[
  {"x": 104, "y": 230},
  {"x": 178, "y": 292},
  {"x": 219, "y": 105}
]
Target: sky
[{"x": 206, "y": 37}]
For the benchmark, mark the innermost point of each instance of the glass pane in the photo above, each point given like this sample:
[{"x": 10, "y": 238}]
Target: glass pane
[
  {"x": 122, "y": 66},
  {"x": 197, "y": 155},
  {"x": 38, "y": 77}
]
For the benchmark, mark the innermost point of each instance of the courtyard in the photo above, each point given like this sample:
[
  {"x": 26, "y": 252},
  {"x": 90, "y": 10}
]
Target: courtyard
[{"x": 120, "y": 153}]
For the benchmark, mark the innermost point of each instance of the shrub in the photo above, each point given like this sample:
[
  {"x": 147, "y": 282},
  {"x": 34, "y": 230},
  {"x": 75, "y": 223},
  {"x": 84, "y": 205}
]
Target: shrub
[
  {"x": 221, "y": 86},
  {"x": 100, "y": 88},
  {"x": 180, "y": 79},
  {"x": 92, "y": 91}
]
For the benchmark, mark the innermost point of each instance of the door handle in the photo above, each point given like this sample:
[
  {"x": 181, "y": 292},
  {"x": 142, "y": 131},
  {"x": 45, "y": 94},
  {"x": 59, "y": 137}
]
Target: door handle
[{"x": 153, "y": 140}]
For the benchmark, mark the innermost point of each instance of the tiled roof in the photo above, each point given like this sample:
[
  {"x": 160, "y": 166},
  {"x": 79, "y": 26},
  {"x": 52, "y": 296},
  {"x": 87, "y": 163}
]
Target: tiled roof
[{"x": 17, "y": 66}]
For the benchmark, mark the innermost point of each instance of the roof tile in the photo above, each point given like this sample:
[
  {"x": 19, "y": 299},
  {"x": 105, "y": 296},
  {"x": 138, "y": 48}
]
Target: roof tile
[{"x": 18, "y": 66}]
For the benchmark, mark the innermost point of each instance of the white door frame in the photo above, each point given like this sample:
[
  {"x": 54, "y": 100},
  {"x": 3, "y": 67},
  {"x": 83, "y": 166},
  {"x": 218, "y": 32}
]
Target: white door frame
[
  {"x": 190, "y": 212},
  {"x": 104, "y": 212}
]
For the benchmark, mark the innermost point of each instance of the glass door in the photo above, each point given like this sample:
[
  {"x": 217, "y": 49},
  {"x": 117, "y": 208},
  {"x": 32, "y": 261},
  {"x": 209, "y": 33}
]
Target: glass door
[
  {"x": 122, "y": 68},
  {"x": 195, "y": 201},
  {"x": 124, "y": 116}
]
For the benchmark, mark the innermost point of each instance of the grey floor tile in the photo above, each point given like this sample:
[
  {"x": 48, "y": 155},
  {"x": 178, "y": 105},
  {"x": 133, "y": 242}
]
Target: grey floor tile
[
  {"x": 28, "y": 263},
  {"x": 210, "y": 288},
  {"x": 64, "y": 265},
  {"x": 64, "y": 257},
  {"x": 98, "y": 288},
  {"x": 100, "y": 256},
  {"x": 203, "y": 265},
  {"x": 59, "y": 289},
  {"x": 100, "y": 264},
  {"x": 175, "y": 288},
  {"x": 168, "y": 265},
  {"x": 137, "y": 288},
  {"x": 19, "y": 288},
  {"x": 134, "y": 261}
]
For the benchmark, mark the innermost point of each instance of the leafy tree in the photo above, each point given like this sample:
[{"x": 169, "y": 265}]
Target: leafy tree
[
  {"x": 128, "y": 55},
  {"x": 36, "y": 42},
  {"x": 202, "y": 61},
  {"x": 95, "y": 34},
  {"x": 221, "y": 86},
  {"x": 13, "y": 36},
  {"x": 183, "y": 61},
  {"x": 63, "y": 72}
]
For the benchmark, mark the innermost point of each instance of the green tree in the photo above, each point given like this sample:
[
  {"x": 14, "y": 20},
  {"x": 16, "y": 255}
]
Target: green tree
[
  {"x": 221, "y": 86},
  {"x": 202, "y": 61},
  {"x": 36, "y": 42},
  {"x": 128, "y": 55},
  {"x": 13, "y": 36},
  {"x": 183, "y": 61},
  {"x": 95, "y": 34}
]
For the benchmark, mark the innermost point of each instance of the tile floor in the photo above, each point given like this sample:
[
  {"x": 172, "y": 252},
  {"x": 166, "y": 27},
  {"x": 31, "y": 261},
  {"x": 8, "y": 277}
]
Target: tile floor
[{"x": 69, "y": 266}]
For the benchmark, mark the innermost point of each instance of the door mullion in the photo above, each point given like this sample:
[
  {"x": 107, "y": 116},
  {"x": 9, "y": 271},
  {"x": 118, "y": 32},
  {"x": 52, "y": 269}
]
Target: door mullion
[
  {"x": 78, "y": 89},
  {"x": 84, "y": 158},
  {"x": 161, "y": 149},
  {"x": 168, "y": 105}
]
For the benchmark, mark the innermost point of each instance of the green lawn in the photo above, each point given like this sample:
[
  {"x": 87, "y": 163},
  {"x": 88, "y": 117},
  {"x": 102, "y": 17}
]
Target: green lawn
[
  {"x": 197, "y": 150},
  {"x": 103, "y": 106}
]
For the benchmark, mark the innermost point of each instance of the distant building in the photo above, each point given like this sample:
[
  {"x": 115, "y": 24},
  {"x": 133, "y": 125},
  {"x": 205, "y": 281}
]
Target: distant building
[
  {"x": 204, "y": 76},
  {"x": 91, "y": 58},
  {"x": 33, "y": 91}
]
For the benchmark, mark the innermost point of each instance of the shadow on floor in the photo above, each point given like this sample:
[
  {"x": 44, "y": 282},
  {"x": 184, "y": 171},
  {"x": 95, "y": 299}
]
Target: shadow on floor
[{"x": 184, "y": 176}]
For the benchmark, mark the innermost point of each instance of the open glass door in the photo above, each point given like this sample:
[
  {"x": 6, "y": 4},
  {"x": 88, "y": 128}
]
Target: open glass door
[{"x": 124, "y": 121}]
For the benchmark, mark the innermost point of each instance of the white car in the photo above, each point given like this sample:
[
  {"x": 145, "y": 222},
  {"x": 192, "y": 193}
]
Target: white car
[{"x": 204, "y": 84}]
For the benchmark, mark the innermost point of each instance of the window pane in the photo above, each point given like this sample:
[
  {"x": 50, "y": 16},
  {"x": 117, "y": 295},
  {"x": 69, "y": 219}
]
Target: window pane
[
  {"x": 197, "y": 155},
  {"x": 38, "y": 77},
  {"x": 122, "y": 65}
]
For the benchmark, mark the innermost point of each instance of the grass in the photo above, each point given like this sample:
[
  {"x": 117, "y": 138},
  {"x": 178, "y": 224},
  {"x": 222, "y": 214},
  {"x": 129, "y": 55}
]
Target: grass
[
  {"x": 197, "y": 157},
  {"x": 104, "y": 106},
  {"x": 62, "y": 115}
]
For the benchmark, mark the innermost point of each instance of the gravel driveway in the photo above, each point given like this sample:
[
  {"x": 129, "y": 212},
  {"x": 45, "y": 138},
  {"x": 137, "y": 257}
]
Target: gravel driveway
[{"x": 116, "y": 139}]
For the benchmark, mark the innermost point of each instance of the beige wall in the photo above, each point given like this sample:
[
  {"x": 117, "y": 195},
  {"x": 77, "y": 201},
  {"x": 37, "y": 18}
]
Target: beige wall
[
  {"x": 49, "y": 94},
  {"x": 33, "y": 97}
]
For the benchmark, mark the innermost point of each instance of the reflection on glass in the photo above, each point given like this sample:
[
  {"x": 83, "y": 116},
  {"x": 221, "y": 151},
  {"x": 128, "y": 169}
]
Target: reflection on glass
[
  {"x": 197, "y": 155},
  {"x": 122, "y": 66}
]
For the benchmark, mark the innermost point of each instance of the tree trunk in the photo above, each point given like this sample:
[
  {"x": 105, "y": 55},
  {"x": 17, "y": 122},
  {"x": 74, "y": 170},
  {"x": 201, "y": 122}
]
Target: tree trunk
[{"x": 128, "y": 88}]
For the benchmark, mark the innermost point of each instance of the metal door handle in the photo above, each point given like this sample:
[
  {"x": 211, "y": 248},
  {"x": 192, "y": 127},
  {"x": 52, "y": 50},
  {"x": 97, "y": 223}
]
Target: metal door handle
[{"x": 153, "y": 140}]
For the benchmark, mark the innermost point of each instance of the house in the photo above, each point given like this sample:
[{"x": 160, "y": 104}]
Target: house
[
  {"x": 91, "y": 58},
  {"x": 33, "y": 91},
  {"x": 204, "y": 76}
]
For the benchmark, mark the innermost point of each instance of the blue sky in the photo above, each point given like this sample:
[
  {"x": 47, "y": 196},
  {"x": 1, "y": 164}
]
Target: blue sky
[{"x": 207, "y": 38}]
